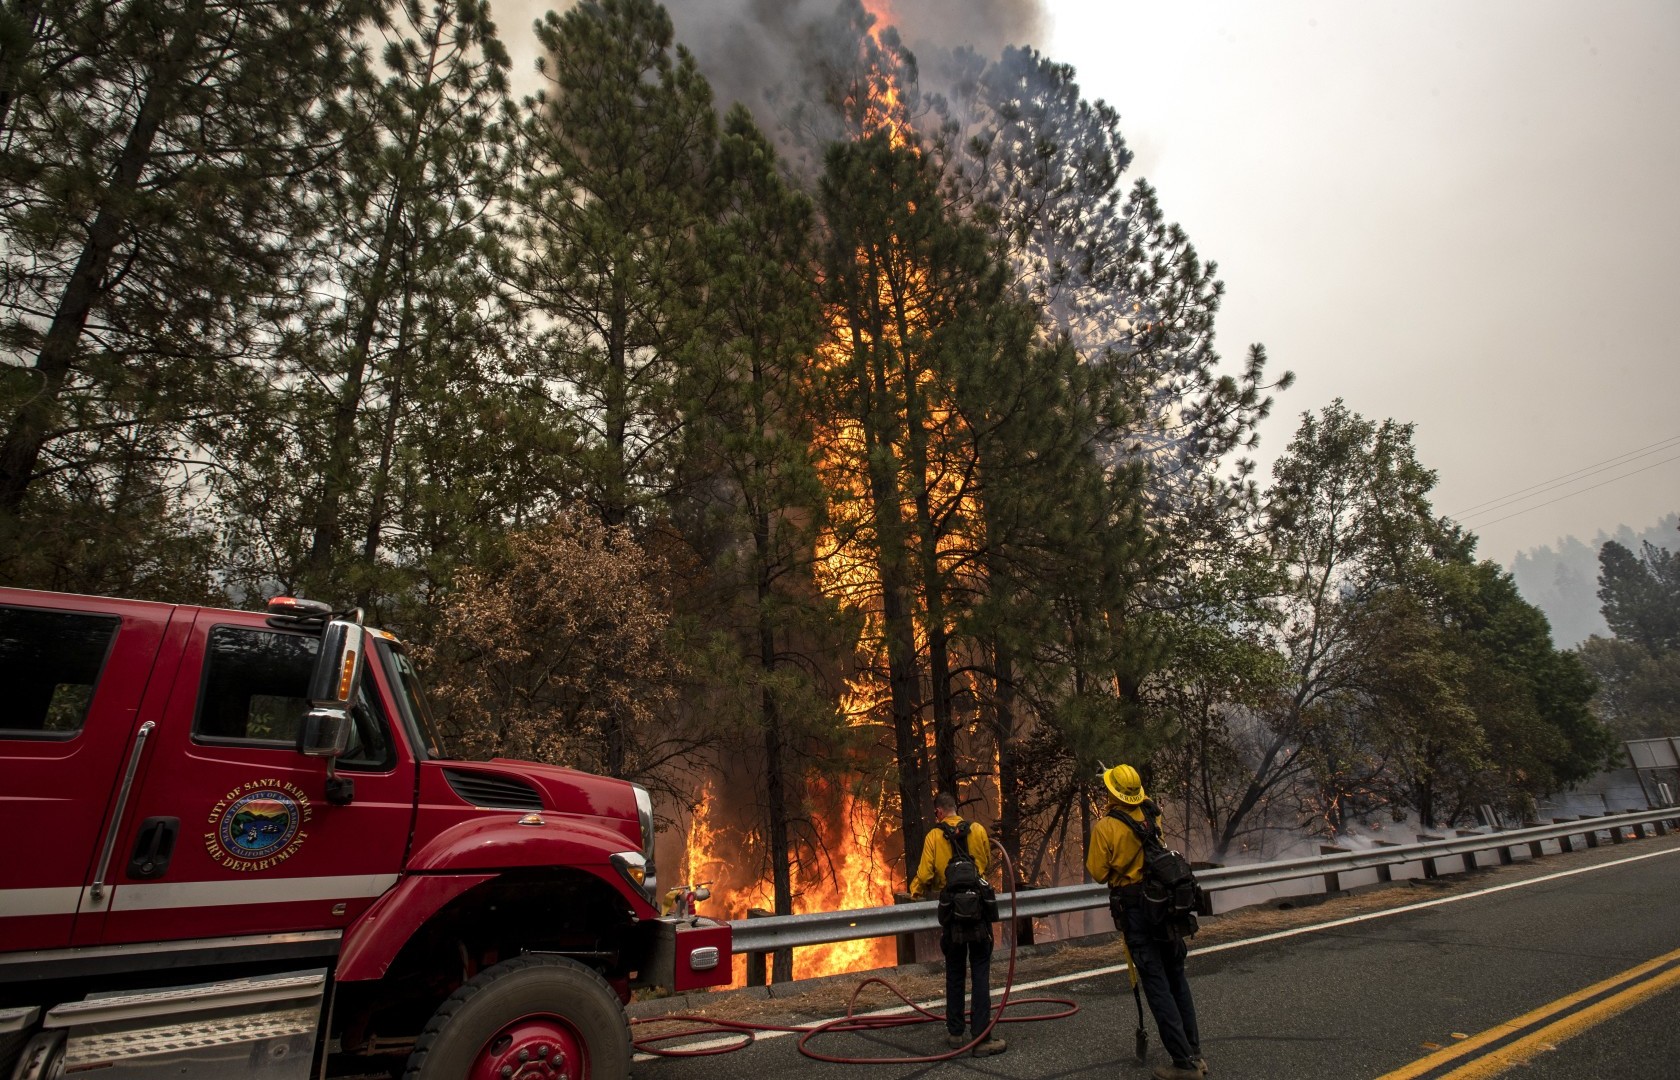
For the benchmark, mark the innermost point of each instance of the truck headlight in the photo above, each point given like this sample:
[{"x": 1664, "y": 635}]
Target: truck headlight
[
  {"x": 644, "y": 817},
  {"x": 636, "y": 870}
]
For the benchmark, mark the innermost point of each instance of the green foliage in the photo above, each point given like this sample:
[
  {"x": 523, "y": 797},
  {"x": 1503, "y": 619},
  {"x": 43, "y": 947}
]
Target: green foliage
[
  {"x": 1638, "y": 670},
  {"x": 616, "y": 152},
  {"x": 154, "y": 161},
  {"x": 1641, "y": 595},
  {"x": 397, "y": 391},
  {"x": 1417, "y": 671},
  {"x": 1638, "y": 693}
]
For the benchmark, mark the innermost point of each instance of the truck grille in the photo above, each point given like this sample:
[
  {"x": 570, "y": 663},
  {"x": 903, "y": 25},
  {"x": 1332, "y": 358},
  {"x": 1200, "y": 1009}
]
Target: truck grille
[{"x": 499, "y": 792}]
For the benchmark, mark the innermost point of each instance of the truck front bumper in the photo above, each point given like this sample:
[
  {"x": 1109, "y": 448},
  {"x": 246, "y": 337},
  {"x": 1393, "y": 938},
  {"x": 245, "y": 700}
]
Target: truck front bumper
[{"x": 689, "y": 954}]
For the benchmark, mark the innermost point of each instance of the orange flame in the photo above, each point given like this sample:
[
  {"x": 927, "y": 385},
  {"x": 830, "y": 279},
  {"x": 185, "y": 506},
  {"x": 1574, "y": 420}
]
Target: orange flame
[
  {"x": 847, "y": 868},
  {"x": 847, "y": 863}
]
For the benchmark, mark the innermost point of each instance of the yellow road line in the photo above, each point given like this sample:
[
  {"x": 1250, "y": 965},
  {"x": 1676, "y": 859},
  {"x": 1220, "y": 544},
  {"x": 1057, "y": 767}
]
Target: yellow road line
[{"x": 1638, "y": 986}]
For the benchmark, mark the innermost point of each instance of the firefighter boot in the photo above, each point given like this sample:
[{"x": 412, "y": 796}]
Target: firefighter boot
[{"x": 1176, "y": 1072}]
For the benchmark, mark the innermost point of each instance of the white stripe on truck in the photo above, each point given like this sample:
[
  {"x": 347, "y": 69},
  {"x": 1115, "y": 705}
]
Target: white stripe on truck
[
  {"x": 39, "y": 901},
  {"x": 157, "y": 896}
]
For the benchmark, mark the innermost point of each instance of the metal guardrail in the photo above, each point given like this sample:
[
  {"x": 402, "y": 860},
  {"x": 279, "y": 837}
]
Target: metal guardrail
[{"x": 824, "y": 927}]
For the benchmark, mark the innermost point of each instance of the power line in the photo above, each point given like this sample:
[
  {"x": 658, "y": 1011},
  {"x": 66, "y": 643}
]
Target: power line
[
  {"x": 1583, "y": 491},
  {"x": 1569, "y": 477}
]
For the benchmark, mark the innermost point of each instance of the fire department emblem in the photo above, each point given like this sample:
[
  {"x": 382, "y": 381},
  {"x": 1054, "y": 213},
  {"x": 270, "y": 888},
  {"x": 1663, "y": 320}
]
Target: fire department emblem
[{"x": 257, "y": 825}]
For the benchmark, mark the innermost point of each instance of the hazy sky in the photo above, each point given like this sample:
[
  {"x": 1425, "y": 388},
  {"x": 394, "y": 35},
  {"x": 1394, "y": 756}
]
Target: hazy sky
[{"x": 1461, "y": 215}]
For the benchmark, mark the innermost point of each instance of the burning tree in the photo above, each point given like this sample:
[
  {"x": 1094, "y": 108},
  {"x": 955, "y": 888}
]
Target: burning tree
[
  {"x": 961, "y": 402},
  {"x": 749, "y": 506}
]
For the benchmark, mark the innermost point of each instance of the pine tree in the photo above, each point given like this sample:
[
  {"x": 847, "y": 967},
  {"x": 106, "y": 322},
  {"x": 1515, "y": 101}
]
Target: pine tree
[
  {"x": 1638, "y": 669},
  {"x": 409, "y": 266},
  {"x": 751, "y": 503},
  {"x": 1641, "y": 595},
  {"x": 932, "y": 369},
  {"x": 617, "y": 151},
  {"x": 153, "y": 161},
  {"x": 878, "y": 208}
]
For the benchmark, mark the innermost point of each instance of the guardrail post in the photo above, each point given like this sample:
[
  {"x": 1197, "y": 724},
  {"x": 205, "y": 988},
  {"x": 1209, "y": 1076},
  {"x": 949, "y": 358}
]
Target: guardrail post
[
  {"x": 1638, "y": 827},
  {"x": 1385, "y": 872},
  {"x": 1332, "y": 880},
  {"x": 1592, "y": 835},
  {"x": 1505, "y": 856},
  {"x": 1662, "y": 826},
  {"x": 1429, "y": 864},
  {"x": 1205, "y": 908},
  {"x": 1024, "y": 923},
  {"x": 906, "y": 941},
  {"x": 1564, "y": 843},
  {"x": 756, "y": 974},
  {"x": 1469, "y": 857}
]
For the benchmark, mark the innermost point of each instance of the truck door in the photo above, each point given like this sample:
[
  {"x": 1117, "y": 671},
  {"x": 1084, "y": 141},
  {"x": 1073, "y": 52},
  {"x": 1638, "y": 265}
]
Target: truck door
[
  {"x": 73, "y": 673},
  {"x": 232, "y": 831}
]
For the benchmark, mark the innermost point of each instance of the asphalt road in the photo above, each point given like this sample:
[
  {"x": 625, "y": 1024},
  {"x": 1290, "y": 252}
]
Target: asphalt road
[{"x": 1362, "y": 999}]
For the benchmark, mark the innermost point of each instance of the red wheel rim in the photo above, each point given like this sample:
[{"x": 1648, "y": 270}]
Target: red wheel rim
[{"x": 541, "y": 1047}]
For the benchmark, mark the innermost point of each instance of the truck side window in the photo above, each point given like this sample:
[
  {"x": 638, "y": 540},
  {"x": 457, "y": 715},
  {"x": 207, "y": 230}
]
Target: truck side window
[
  {"x": 49, "y": 666},
  {"x": 255, "y": 687}
]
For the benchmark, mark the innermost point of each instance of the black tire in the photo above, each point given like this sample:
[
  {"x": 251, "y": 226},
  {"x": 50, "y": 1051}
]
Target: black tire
[
  {"x": 42, "y": 1057},
  {"x": 529, "y": 986}
]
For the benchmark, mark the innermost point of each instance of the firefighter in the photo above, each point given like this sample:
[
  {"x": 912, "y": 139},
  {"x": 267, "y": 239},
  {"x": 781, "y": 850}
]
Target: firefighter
[
  {"x": 1156, "y": 953},
  {"x": 964, "y": 938}
]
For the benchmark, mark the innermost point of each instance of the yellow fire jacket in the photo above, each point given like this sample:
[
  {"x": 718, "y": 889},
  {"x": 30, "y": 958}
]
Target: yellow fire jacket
[
  {"x": 1116, "y": 855},
  {"x": 936, "y": 852}
]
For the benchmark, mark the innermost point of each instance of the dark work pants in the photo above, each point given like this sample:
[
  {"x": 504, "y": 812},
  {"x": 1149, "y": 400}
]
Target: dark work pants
[
  {"x": 1160, "y": 968},
  {"x": 963, "y": 958}
]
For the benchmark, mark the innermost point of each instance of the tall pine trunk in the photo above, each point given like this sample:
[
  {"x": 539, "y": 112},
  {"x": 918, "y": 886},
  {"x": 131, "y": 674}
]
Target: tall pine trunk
[
  {"x": 898, "y": 620},
  {"x": 30, "y": 428},
  {"x": 17, "y": 41},
  {"x": 781, "y": 961},
  {"x": 933, "y": 593},
  {"x": 381, "y": 482},
  {"x": 1003, "y": 734},
  {"x": 341, "y": 445}
]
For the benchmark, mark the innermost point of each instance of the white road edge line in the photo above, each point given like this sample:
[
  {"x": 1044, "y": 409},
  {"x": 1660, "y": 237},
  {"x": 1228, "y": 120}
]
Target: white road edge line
[{"x": 1112, "y": 969}]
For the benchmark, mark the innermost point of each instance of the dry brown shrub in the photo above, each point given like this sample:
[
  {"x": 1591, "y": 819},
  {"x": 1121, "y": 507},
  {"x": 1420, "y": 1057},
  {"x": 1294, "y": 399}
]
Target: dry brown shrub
[{"x": 560, "y": 653}]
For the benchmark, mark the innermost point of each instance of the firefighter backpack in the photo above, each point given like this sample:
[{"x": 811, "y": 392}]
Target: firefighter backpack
[
  {"x": 967, "y": 904},
  {"x": 1171, "y": 897}
]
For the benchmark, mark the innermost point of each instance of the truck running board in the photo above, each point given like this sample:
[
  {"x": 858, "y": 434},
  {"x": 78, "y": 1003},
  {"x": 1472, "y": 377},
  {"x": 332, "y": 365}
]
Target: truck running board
[{"x": 206, "y": 1032}]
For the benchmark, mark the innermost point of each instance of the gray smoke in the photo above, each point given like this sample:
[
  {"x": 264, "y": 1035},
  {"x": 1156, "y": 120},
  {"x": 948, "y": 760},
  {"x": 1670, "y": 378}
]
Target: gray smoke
[
  {"x": 761, "y": 52},
  {"x": 754, "y": 50}
]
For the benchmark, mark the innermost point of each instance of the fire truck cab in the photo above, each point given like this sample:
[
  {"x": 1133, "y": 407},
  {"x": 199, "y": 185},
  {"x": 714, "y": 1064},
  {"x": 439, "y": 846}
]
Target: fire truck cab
[{"x": 229, "y": 843}]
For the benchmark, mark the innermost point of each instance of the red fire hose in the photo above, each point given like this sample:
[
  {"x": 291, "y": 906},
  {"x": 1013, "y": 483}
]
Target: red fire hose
[{"x": 851, "y": 1022}]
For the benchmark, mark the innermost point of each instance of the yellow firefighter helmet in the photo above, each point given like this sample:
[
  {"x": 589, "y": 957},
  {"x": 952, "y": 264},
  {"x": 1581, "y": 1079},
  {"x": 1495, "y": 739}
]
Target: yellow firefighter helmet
[{"x": 1124, "y": 783}]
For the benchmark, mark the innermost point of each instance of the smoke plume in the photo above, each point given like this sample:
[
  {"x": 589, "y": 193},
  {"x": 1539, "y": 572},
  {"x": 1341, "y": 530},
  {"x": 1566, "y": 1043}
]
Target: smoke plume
[
  {"x": 751, "y": 49},
  {"x": 759, "y": 51}
]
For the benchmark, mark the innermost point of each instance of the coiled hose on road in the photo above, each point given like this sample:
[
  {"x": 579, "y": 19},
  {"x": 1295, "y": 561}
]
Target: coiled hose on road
[{"x": 853, "y": 1023}]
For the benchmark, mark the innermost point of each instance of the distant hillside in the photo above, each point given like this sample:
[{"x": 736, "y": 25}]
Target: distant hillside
[{"x": 1564, "y": 583}]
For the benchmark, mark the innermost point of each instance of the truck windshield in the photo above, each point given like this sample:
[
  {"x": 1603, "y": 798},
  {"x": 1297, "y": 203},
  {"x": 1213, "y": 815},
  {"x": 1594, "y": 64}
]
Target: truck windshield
[{"x": 411, "y": 699}]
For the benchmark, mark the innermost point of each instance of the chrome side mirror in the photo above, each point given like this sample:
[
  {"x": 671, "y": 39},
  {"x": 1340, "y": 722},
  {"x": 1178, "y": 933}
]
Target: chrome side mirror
[
  {"x": 325, "y": 734},
  {"x": 333, "y": 687}
]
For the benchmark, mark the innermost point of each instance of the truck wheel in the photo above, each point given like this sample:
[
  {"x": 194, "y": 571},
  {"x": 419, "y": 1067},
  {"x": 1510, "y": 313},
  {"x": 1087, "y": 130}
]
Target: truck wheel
[
  {"x": 533, "y": 1017},
  {"x": 42, "y": 1057}
]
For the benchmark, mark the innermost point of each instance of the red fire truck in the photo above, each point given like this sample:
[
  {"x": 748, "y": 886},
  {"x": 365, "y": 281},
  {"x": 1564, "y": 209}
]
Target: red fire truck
[{"x": 230, "y": 845}]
